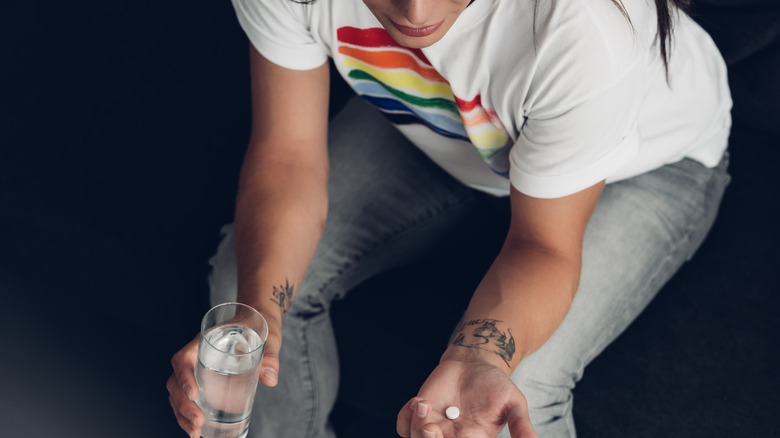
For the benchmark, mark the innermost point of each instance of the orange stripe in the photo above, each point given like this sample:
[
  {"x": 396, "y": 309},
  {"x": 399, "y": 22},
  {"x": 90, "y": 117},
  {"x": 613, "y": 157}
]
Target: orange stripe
[
  {"x": 475, "y": 120},
  {"x": 389, "y": 59}
]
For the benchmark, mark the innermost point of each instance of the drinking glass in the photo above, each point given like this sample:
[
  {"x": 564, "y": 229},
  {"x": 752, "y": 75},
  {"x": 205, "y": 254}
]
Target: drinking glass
[{"x": 232, "y": 341}]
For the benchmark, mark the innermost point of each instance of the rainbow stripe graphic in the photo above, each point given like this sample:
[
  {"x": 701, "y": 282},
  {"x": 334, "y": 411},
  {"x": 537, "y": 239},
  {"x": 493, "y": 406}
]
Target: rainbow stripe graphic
[{"x": 402, "y": 83}]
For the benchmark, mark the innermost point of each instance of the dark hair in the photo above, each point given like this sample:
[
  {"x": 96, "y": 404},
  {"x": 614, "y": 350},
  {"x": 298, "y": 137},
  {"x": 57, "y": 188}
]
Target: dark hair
[{"x": 664, "y": 9}]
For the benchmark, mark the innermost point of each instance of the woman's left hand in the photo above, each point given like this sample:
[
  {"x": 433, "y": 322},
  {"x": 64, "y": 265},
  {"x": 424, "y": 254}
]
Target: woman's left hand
[{"x": 486, "y": 397}]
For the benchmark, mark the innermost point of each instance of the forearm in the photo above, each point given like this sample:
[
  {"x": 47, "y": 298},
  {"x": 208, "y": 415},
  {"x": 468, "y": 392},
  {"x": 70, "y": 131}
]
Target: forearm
[
  {"x": 280, "y": 212},
  {"x": 518, "y": 305}
]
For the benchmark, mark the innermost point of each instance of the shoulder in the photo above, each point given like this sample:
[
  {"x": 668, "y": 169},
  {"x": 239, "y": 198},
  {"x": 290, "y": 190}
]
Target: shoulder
[
  {"x": 594, "y": 34},
  {"x": 581, "y": 49},
  {"x": 282, "y": 30}
]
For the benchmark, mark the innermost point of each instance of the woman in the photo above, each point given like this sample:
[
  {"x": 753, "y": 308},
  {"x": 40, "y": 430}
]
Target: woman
[{"x": 601, "y": 126}]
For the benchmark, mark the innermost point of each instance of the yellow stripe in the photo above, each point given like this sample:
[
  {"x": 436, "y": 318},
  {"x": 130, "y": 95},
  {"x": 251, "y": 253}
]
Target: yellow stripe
[
  {"x": 402, "y": 79},
  {"x": 489, "y": 140}
]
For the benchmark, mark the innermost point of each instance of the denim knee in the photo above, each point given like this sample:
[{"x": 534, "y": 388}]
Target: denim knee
[{"x": 547, "y": 386}]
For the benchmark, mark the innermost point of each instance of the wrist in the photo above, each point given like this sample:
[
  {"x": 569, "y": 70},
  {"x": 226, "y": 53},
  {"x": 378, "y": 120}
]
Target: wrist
[
  {"x": 483, "y": 340},
  {"x": 272, "y": 301},
  {"x": 273, "y": 315},
  {"x": 474, "y": 356}
]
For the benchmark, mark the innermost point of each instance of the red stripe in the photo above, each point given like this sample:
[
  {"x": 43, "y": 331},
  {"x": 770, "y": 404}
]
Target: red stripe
[
  {"x": 374, "y": 37},
  {"x": 465, "y": 106}
]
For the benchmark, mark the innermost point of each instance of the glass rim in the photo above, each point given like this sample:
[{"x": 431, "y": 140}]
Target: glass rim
[{"x": 251, "y": 309}]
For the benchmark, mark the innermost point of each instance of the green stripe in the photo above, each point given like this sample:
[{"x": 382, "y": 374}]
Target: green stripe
[
  {"x": 487, "y": 154},
  {"x": 430, "y": 102}
]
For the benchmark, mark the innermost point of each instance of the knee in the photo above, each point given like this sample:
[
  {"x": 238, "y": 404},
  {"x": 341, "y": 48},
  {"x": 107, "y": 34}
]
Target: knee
[
  {"x": 550, "y": 407},
  {"x": 546, "y": 398},
  {"x": 308, "y": 304},
  {"x": 547, "y": 384}
]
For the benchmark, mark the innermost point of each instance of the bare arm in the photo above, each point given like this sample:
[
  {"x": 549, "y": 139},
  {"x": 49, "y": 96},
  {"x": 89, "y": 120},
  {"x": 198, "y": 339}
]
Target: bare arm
[
  {"x": 529, "y": 288},
  {"x": 518, "y": 305},
  {"x": 282, "y": 197},
  {"x": 280, "y": 212}
]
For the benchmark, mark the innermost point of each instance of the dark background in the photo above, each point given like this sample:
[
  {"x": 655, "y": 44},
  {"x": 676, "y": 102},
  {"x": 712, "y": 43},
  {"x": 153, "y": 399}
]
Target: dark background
[{"x": 122, "y": 128}]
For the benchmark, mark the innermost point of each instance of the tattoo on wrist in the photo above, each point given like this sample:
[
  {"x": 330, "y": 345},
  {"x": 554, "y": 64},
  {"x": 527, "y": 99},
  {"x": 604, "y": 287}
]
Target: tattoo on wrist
[
  {"x": 484, "y": 334},
  {"x": 283, "y": 295}
]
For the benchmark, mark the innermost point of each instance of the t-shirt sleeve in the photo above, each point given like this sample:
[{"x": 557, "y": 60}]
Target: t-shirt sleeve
[
  {"x": 580, "y": 121},
  {"x": 278, "y": 29}
]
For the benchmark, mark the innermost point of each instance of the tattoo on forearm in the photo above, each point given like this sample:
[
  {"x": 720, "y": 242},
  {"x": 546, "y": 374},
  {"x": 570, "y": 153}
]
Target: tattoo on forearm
[
  {"x": 484, "y": 334},
  {"x": 283, "y": 296}
]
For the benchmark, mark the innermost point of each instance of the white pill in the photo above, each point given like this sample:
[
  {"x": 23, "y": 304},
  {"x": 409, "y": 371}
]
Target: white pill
[{"x": 452, "y": 412}]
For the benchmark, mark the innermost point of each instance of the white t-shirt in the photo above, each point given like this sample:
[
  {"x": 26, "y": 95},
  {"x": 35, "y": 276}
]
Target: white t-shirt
[{"x": 553, "y": 103}]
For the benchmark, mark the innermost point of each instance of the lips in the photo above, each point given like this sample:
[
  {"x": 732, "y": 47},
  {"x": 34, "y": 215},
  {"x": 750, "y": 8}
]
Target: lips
[{"x": 417, "y": 32}]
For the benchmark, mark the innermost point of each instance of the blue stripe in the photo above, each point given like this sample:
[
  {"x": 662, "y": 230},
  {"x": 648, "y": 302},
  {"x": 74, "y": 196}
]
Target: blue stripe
[
  {"x": 441, "y": 122},
  {"x": 393, "y": 109}
]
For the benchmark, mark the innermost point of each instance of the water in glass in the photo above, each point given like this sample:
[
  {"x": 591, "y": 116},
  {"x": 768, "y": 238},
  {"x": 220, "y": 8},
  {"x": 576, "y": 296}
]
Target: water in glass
[{"x": 227, "y": 371}]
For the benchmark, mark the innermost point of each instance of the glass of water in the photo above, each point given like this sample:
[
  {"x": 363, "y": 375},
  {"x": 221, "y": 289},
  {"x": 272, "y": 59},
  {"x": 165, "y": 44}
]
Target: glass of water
[{"x": 232, "y": 341}]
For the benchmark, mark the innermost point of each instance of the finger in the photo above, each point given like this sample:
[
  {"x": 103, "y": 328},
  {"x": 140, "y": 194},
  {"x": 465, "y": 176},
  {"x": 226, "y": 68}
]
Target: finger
[
  {"x": 269, "y": 366},
  {"x": 190, "y": 426},
  {"x": 184, "y": 408},
  {"x": 432, "y": 430},
  {"x": 422, "y": 425},
  {"x": 184, "y": 423},
  {"x": 179, "y": 402},
  {"x": 183, "y": 363},
  {"x": 403, "y": 424}
]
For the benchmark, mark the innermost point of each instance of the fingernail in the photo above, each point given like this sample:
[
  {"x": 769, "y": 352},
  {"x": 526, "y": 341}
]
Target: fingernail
[
  {"x": 188, "y": 391},
  {"x": 429, "y": 434},
  {"x": 193, "y": 420},
  {"x": 422, "y": 409},
  {"x": 270, "y": 374}
]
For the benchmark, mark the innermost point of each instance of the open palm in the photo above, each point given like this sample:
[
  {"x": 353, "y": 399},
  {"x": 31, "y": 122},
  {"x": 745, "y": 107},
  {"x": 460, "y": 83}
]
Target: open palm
[{"x": 486, "y": 397}]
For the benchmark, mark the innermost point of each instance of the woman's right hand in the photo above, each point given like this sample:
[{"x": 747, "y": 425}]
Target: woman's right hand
[{"x": 183, "y": 388}]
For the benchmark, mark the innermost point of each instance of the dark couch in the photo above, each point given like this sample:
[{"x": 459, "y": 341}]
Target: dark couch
[{"x": 123, "y": 128}]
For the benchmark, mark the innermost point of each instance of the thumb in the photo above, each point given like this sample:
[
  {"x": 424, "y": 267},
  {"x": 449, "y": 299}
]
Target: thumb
[
  {"x": 519, "y": 422},
  {"x": 521, "y": 428},
  {"x": 269, "y": 371},
  {"x": 269, "y": 366}
]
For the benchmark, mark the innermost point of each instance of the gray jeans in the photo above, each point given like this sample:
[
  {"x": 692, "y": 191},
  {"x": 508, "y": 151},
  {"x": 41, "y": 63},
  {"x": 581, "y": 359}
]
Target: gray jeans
[{"x": 389, "y": 203}]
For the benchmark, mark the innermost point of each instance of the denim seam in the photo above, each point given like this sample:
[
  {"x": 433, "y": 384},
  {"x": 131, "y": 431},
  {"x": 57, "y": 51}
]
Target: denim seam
[
  {"x": 312, "y": 387},
  {"x": 596, "y": 348},
  {"x": 718, "y": 182},
  {"x": 715, "y": 180}
]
